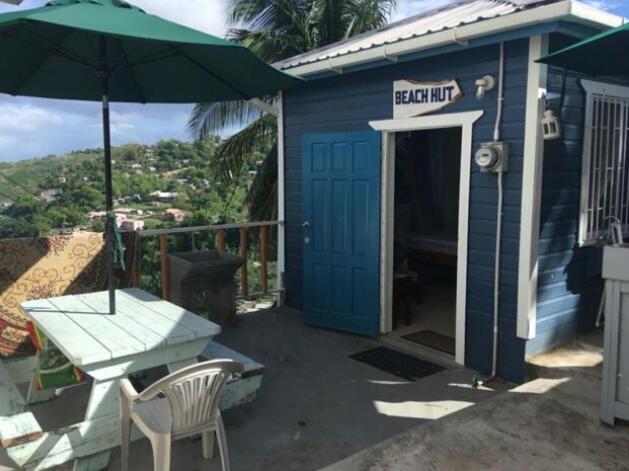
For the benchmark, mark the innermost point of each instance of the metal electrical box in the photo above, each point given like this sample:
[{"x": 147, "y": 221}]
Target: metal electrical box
[
  {"x": 615, "y": 394},
  {"x": 493, "y": 157}
]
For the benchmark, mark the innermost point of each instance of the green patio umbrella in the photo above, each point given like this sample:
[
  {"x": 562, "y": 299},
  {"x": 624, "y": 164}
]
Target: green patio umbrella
[
  {"x": 109, "y": 50},
  {"x": 602, "y": 55}
]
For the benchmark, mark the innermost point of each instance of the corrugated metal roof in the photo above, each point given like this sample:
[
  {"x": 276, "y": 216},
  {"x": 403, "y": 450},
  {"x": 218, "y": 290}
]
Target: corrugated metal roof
[{"x": 450, "y": 16}]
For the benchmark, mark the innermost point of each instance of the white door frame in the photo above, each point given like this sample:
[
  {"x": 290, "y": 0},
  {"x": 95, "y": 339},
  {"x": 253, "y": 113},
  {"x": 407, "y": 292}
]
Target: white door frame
[{"x": 388, "y": 127}]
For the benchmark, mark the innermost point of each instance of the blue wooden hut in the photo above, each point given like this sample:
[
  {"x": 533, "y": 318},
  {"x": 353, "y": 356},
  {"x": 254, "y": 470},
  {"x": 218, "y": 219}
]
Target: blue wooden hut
[{"x": 439, "y": 186}]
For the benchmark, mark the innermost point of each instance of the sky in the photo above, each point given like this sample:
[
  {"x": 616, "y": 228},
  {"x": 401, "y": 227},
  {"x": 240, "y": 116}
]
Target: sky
[{"x": 32, "y": 127}]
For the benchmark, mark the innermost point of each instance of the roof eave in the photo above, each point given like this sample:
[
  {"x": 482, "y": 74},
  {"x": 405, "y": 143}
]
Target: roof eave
[{"x": 567, "y": 10}]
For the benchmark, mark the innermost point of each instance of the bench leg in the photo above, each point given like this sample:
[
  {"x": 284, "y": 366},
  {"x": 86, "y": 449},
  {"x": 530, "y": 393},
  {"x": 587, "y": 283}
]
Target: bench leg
[{"x": 104, "y": 400}]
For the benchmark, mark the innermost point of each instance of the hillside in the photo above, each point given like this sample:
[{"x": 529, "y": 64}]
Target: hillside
[
  {"x": 28, "y": 176},
  {"x": 171, "y": 182}
]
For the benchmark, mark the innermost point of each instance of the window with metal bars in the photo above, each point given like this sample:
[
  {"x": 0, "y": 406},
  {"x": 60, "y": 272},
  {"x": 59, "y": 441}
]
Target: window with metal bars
[{"x": 605, "y": 177}]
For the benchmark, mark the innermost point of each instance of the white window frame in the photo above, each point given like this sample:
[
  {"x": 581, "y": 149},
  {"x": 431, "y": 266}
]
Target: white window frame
[{"x": 593, "y": 88}]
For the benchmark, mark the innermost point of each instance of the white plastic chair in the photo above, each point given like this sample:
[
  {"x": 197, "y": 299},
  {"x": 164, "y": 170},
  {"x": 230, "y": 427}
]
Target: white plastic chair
[{"x": 182, "y": 404}]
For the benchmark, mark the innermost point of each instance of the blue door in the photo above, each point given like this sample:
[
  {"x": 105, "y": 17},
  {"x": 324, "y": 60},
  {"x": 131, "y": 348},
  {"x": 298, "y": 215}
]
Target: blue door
[{"x": 341, "y": 231}]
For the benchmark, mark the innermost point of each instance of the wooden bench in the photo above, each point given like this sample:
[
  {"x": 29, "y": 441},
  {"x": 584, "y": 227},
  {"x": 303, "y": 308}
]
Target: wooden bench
[
  {"x": 16, "y": 425},
  {"x": 11, "y": 400},
  {"x": 241, "y": 390}
]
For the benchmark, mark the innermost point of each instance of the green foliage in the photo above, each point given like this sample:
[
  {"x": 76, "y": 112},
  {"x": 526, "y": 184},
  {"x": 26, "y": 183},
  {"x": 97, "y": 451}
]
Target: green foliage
[
  {"x": 74, "y": 186},
  {"x": 275, "y": 30}
]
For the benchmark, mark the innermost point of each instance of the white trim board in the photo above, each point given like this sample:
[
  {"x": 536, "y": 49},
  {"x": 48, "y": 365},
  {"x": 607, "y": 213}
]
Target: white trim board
[
  {"x": 281, "y": 209},
  {"x": 465, "y": 121},
  {"x": 531, "y": 190}
]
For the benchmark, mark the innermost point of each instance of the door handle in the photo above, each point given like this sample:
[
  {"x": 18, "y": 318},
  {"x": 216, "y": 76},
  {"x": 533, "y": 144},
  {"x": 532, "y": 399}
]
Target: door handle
[
  {"x": 306, "y": 240},
  {"x": 306, "y": 224}
]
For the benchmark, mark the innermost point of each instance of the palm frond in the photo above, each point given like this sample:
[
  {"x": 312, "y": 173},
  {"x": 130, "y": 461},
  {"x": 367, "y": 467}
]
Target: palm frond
[
  {"x": 233, "y": 154},
  {"x": 210, "y": 119},
  {"x": 366, "y": 15},
  {"x": 262, "y": 196}
]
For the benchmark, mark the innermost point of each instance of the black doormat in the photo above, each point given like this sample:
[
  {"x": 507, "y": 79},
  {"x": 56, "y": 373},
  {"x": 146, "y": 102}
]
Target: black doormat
[
  {"x": 397, "y": 363},
  {"x": 434, "y": 340}
]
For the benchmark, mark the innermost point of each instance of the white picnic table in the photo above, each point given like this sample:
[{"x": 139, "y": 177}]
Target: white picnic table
[{"x": 145, "y": 332}]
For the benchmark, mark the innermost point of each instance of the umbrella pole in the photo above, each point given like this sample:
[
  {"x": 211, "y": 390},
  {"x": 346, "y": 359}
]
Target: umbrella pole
[{"x": 109, "y": 199}]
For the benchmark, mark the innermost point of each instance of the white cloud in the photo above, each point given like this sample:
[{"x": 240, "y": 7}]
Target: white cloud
[
  {"x": 604, "y": 4},
  {"x": 406, "y": 8},
  {"x": 205, "y": 15},
  {"x": 31, "y": 127}
]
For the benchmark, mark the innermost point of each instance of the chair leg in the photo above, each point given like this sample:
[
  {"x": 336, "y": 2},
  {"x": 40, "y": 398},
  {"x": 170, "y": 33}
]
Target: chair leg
[
  {"x": 222, "y": 443},
  {"x": 124, "y": 443},
  {"x": 161, "y": 452},
  {"x": 208, "y": 444}
]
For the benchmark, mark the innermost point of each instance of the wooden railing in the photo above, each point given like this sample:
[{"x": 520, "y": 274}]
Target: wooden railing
[{"x": 219, "y": 232}]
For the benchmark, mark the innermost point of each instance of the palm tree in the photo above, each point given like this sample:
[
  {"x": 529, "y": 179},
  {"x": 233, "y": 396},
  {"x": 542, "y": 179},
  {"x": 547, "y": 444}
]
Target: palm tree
[{"x": 275, "y": 30}]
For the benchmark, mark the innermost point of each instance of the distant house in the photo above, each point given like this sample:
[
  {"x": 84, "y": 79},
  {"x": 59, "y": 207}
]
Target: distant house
[
  {"x": 164, "y": 195},
  {"x": 96, "y": 215},
  {"x": 132, "y": 225},
  {"x": 49, "y": 195},
  {"x": 177, "y": 215},
  {"x": 123, "y": 211}
]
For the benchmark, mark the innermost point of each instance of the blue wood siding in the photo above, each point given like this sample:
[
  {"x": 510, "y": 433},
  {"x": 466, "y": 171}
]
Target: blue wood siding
[
  {"x": 569, "y": 285},
  {"x": 348, "y": 102}
]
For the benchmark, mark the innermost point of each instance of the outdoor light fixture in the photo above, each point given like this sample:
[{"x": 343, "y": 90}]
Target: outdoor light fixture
[
  {"x": 551, "y": 128},
  {"x": 484, "y": 85}
]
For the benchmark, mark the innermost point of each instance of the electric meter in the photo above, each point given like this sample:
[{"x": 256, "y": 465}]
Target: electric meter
[{"x": 492, "y": 157}]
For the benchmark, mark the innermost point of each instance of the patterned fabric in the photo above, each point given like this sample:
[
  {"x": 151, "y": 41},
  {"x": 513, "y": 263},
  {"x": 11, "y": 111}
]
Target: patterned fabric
[
  {"x": 54, "y": 370},
  {"x": 43, "y": 268}
]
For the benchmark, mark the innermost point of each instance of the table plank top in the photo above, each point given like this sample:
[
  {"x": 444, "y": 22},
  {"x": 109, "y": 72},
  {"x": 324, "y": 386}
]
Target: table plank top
[{"x": 82, "y": 328}]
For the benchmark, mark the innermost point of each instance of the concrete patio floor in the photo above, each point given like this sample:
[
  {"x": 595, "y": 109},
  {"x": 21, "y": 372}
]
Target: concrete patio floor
[
  {"x": 316, "y": 405},
  {"x": 549, "y": 423}
]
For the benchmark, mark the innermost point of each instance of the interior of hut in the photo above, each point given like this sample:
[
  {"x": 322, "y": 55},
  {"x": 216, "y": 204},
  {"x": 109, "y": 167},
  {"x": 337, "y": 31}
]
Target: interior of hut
[{"x": 427, "y": 180}]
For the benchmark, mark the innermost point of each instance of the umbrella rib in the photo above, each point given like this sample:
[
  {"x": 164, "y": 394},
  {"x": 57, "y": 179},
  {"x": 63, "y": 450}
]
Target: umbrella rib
[
  {"x": 40, "y": 64},
  {"x": 154, "y": 58},
  {"x": 242, "y": 94},
  {"x": 124, "y": 58},
  {"x": 56, "y": 48}
]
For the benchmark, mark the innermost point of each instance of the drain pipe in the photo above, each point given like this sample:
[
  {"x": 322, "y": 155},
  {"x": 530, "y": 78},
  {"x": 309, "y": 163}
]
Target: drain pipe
[
  {"x": 499, "y": 214},
  {"x": 501, "y": 99}
]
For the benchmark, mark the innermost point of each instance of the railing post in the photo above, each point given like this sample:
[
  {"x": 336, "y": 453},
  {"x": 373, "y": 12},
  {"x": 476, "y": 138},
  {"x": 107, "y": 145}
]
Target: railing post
[
  {"x": 264, "y": 257},
  {"x": 244, "y": 282},
  {"x": 220, "y": 240},
  {"x": 163, "y": 249}
]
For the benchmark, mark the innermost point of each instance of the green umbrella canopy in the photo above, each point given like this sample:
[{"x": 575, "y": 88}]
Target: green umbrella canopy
[
  {"x": 603, "y": 55},
  {"x": 53, "y": 52}
]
